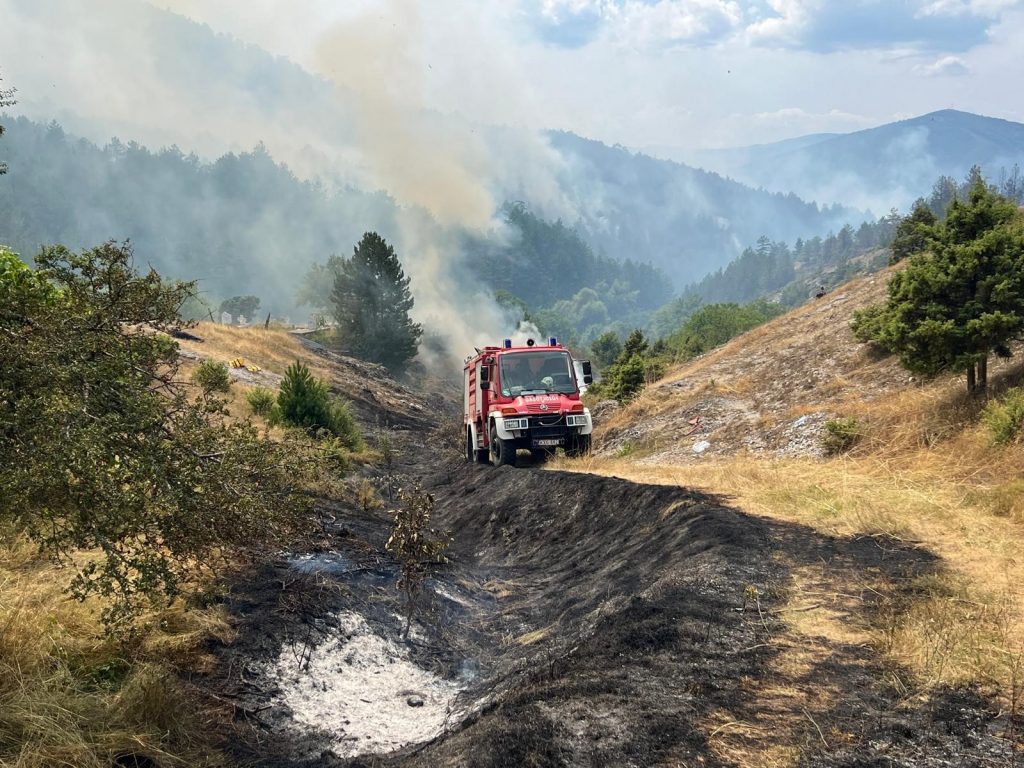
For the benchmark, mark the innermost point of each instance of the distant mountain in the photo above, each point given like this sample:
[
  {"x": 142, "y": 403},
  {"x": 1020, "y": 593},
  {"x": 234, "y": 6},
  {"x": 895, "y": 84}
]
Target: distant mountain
[
  {"x": 877, "y": 168},
  {"x": 683, "y": 219}
]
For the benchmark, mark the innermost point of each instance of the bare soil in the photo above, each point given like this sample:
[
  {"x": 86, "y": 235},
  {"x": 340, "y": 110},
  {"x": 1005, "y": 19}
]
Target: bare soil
[{"x": 590, "y": 621}]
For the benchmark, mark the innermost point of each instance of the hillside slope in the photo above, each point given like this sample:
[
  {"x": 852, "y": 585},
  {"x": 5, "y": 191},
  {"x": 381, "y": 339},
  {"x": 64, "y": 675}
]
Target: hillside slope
[{"x": 771, "y": 390}]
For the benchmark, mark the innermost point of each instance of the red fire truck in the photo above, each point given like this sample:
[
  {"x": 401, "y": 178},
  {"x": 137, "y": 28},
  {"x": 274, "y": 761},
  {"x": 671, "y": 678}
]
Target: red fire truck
[{"x": 525, "y": 397}]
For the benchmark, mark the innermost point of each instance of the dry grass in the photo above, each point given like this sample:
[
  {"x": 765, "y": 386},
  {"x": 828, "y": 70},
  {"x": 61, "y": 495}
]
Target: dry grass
[
  {"x": 272, "y": 349},
  {"x": 71, "y": 696},
  {"x": 967, "y": 624}
]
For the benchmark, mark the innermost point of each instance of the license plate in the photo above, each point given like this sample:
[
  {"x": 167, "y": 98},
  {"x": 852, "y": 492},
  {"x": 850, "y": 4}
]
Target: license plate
[{"x": 547, "y": 442}]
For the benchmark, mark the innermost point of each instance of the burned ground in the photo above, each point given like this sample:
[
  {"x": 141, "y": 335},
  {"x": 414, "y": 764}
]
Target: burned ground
[{"x": 592, "y": 621}]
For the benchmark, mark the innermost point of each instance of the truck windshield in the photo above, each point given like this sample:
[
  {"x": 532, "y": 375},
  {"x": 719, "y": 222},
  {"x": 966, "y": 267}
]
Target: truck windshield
[{"x": 536, "y": 373}]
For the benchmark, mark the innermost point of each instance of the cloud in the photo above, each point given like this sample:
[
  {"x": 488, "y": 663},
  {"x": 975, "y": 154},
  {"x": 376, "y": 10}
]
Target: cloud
[
  {"x": 922, "y": 25},
  {"x": 636, "y": 23},
  {"x": 944, "y": 66},
  {"x": 696, "y": 22}
]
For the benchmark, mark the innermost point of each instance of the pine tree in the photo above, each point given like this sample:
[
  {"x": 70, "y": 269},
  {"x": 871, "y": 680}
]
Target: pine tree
[
  {"x": 962, "y": 299},
  {"x": 371, "y": 304},
  {"x": 913, "y": 232}
]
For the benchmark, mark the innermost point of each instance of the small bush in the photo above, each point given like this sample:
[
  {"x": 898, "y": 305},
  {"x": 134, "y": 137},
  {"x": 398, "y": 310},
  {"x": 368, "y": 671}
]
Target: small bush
[
  {"x": 275, "y": 418},
  {"x": 261, "y": 400},
  {"x": 303, "y": 401},
  {"x": 212, "y": 376},
  {"x": 868, "y": 323},
  {"x": 1005, "y": 417},
  {"x": 841, "y": 434},
  {"x": 343, "y": 424}
]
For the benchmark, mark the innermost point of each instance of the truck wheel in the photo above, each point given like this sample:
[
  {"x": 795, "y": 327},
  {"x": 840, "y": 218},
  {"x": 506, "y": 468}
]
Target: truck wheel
[
  {"x": 502, "y": 453},
  {"x": 579, "y": 446}
]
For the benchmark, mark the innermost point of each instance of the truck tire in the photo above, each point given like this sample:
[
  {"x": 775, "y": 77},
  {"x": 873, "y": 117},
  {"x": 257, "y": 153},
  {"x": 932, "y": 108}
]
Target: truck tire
[
  {"x": 502, "y": 453},
  {"x": 578, "y": 446}
]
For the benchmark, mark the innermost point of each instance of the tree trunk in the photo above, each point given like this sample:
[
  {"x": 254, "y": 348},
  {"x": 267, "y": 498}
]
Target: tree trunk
[
  {"x": 983, "y": 374},
  {"x": 970, "y": 379}
]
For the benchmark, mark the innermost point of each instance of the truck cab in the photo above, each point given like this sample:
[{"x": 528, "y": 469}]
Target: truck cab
[{"x": 525, "y": 397}]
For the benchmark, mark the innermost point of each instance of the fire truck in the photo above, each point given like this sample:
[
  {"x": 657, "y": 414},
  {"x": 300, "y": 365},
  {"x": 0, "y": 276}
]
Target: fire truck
[{"x": 525, "y": 397}]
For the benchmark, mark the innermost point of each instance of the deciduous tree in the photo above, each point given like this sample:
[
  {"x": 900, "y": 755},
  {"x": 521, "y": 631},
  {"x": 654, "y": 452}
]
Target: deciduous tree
[{"x": 102, "y": 450}]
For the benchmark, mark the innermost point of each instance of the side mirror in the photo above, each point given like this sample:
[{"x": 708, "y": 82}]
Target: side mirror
[
  {"x": 485, "y": 377},
  {"x": 588, "y": 374}
]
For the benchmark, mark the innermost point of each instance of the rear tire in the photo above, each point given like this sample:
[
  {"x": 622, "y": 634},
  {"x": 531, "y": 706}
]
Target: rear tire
[
  {"x": 470, "y": 448},
  {"x": 579, "y": 446},
  {"x": 503, "y": 454}
]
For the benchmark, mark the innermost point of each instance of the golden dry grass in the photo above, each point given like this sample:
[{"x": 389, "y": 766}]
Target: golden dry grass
[
  {"x": 969, "y": 624},
  {"x": 965, "y": 624},
  {"x": 273, "y": 349},
  {"x": 71, "y": 696}
]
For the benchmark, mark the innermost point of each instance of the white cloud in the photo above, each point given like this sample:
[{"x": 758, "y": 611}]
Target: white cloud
[
  {"x": 989, "y": 8},
  {"x": 945, "y": 66},
  {"x": 791, "y": 19},
  {"x": 643, "y": 24}
]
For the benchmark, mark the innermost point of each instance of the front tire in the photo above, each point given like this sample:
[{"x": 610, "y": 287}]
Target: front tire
[{"x": 503, "y": 453}]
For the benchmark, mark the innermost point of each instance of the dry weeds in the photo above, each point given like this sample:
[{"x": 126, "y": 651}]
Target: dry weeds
[{"x": 71, "y": 696}]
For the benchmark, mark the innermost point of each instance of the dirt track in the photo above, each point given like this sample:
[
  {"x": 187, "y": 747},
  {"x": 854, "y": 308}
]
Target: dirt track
[{"x": 593, "y": 622}]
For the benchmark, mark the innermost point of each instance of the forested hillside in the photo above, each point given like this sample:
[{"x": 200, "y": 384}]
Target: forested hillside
[
  {"x": 240, "y": 225},
  {"x": 685, "y": 220}
]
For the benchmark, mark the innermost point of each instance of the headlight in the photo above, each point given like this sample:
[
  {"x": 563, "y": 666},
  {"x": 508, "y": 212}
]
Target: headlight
[
  {"x": 576, "y": 420},
  {"x": 517, "y": 423}
]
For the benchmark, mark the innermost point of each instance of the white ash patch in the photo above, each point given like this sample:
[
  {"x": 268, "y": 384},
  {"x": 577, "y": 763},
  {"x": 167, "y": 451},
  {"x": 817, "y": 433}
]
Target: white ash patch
[{"x": 363, "y": 689}]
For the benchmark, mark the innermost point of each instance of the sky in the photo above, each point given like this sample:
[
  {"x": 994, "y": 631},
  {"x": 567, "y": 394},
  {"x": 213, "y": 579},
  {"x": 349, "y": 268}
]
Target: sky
[{"x": 663, "y": 73}]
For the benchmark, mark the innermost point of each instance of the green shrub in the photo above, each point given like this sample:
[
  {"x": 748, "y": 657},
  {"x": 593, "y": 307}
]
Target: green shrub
[
  {"x": 343, "y": 425},
  {"x": 212, "y": 376},
  {"x": 261, "y": 400},
  {"x": 1005, "y": 417},
  {"x": 303, "y": 401},
  {"x": 841, "y": 434},
  {"x": 868, "y": 323},
  {"x": 275, "y": 418}
]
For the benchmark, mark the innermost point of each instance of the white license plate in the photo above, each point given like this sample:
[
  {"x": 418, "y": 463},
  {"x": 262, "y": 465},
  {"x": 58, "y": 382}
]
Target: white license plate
[{"x": 547, "y": 442}]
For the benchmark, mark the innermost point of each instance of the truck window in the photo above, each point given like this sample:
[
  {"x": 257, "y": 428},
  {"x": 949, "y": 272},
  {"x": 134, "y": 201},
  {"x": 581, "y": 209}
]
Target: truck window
[{"x": 536, "y": 373}]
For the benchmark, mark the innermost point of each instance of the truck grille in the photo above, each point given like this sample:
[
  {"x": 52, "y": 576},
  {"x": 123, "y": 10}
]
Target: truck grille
[
  {"x": 536, "y": 408},
  {"x": 547, "y": 426}
]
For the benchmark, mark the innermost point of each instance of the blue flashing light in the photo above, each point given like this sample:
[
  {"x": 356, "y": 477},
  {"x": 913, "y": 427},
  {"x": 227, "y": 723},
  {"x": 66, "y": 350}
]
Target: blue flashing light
[
  {"x": 507, "y": 343},
  {"x": 552, "y": 342}
]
